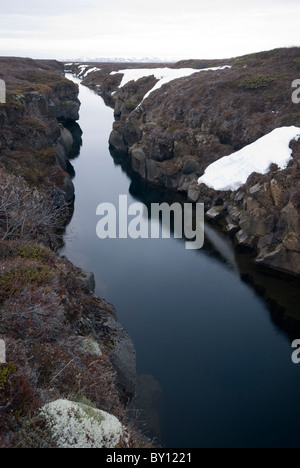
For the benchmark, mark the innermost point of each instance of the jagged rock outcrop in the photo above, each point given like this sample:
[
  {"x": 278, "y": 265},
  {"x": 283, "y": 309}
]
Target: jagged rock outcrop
[
  {"x": 32, "y": 136},
  {"x": 267, "y": 220}
]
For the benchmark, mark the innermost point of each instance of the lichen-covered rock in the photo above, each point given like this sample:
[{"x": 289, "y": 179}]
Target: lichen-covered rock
[
  {"x": 76, "y": 425},
  {"x": 90, "y": 346}
]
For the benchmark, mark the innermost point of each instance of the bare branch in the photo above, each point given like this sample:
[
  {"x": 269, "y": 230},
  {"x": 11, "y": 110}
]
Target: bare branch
[{"x": 27, "y": 214}]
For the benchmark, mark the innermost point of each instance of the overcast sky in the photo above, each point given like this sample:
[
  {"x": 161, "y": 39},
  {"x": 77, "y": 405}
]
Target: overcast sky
[{"x": 66, "y": 29}]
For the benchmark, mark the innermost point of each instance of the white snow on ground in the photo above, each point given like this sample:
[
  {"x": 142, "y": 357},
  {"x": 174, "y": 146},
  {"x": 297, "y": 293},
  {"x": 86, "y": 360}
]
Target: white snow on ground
[
  {"x": 92, "y": 70},
  {"x": 68, "y": 64},
  {"x": 164, "y": 75},
  {"x": 231, "y": 172},
  {"x": 83, "y": 68},
  {"x": 180, "y": 73}
]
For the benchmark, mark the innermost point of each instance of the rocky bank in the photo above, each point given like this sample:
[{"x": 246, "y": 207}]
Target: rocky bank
[
  {"x": 34, "y": 142},
  {"x": 63, "y": 344},
  {"x": 171, "y": 137}
]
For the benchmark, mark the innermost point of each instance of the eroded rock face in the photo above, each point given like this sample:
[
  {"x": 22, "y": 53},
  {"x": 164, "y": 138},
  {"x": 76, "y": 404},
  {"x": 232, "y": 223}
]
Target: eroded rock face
[
  {"x": 63, "y": 147},
  {"x": 267, "y": 222},
  {"x": 123, "y": 357},
  {"x": 117, "y": 141},
  {"x": 105, "y": 326},
  {"x": 68, "y": 110},
  {"x": 188, "y": 124},
  {"x": 30, "y": 133}
]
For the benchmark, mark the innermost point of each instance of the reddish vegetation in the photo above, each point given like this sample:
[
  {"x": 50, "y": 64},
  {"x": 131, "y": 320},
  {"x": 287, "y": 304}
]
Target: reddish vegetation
[{"x": 48, "y": 311}]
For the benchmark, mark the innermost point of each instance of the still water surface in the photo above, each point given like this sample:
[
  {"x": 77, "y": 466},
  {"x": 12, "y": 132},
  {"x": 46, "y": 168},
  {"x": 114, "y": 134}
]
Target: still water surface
[{"x": 221, "y": 367}]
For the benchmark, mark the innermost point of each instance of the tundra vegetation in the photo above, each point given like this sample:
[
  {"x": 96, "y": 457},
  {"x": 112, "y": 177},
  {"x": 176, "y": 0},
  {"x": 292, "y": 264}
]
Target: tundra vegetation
[{"x": 52, "y": 324}]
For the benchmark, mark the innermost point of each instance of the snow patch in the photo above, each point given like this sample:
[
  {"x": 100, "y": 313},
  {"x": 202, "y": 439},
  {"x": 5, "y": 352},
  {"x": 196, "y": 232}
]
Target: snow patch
[
  {"x": 181, "y": 73},
  {"x": 82, "y": 68},
  {"x": 75, "y": 425},
  {"x": 231, "y": 172},
  {"x": 164, "y": 75},
  {"x": 92, "y": 70}
]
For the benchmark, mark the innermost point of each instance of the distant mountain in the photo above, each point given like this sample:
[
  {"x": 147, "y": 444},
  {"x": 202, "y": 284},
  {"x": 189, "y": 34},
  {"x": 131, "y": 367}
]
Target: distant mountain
[{"x": 123, "y": 60}]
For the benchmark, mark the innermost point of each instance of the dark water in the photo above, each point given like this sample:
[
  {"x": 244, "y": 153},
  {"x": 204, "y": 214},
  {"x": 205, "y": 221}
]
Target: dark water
[{"x": 220, "y": 365}]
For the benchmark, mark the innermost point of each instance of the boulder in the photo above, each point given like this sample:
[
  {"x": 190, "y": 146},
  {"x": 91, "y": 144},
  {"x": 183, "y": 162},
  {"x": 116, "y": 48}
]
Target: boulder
[
  {"x": 281, "y": 259},
  {"x": 191, "y": 166},
  {"x": 88, "y": 280},
  {"x": 239, "y": 196},
  {"x": 117, "y": 142},
  {"x": 234, "y": 212},
  {"x": 193, "y": 193},
  {"x": 216, "y": 212},
  {"x": 232, "y": 228},
  {"x": 291, "y": 242},
  {"x": 257, "y": 223},
  {"x": 76, "y": 425},
  {"x": 245, "y": 241},
  {"x": 261, "y": 194}
]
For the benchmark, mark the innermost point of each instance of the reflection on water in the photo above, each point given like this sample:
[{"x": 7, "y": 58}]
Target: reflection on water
[
  {"x": 203, "y": 322},
  {"x": 149, "y": 401}
]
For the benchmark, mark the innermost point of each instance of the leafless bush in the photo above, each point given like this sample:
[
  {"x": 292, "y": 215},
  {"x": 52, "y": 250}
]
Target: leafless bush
[{"x": 27, "y": 214}]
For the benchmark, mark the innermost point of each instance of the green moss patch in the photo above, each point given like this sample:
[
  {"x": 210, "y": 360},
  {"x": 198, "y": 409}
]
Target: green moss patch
[{"x": 256, "y": 82}]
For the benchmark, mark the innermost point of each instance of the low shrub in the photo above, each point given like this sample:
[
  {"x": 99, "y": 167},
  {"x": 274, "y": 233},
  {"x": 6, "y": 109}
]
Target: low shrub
[{"x": 256, "y": 82}]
